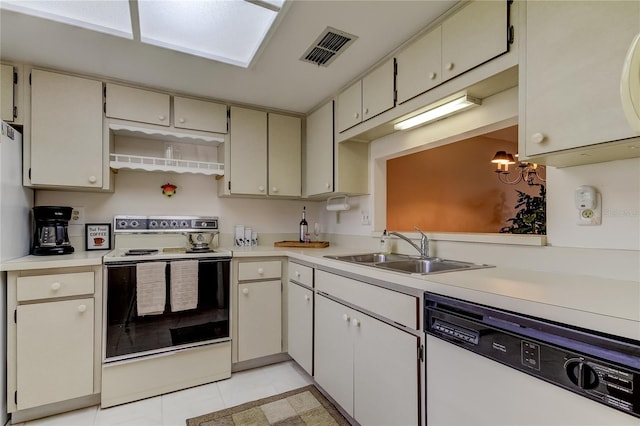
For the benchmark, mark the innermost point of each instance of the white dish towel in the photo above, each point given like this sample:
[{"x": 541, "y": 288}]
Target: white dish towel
[
  {"x": 151, "y": 287},
  {"x": 184, "y": 285}
]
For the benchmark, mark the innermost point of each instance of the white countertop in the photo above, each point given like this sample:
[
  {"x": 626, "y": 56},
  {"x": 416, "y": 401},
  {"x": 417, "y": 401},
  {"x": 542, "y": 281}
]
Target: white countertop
[
  {"x": 607, "y": 305},
  {"x": 81, "y": 258}
]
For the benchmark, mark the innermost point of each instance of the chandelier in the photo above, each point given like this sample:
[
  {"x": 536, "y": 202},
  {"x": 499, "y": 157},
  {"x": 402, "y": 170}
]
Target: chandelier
[{"x": 529, "y": 172}]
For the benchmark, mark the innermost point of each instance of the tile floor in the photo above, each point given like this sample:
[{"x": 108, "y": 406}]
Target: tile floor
[{"x": 174, "y": 408}]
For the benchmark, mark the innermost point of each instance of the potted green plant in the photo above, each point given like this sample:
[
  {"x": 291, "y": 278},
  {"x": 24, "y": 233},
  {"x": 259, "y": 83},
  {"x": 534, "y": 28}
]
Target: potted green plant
[{"x": 531, "y": 214}]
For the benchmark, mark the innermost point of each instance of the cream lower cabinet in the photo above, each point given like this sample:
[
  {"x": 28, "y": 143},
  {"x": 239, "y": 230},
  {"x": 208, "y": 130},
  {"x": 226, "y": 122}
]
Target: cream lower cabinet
[
  {"x": 66, "y": 127},
  {"x": 367, "y": 366},
  {"x": 53, "y": 340},
  {"x": 54, "y": 352},
  {"x": 300, "y": 315},
  {"x": 258, "y": 292}
]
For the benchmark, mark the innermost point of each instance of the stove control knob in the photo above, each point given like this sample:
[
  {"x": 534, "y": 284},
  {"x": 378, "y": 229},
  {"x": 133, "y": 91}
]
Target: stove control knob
[
  {"x": 134, "y": 223},
  {"x": 153, "y": 224},
  {"x": 581, "y": 373},
  {"x": 122, "y": 224},
  {"x": 164, "y": 224},
  {"x": 174, "y": 223},
  {"x": 184, "y": 224}
]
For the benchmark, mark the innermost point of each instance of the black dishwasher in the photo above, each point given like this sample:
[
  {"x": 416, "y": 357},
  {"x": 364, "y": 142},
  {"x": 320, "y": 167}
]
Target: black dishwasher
[{"x": 598, "y": 366}]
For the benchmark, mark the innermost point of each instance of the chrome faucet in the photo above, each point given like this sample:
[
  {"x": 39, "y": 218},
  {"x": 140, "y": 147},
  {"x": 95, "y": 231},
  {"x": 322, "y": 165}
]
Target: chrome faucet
[{"x": 424, "y": 242}]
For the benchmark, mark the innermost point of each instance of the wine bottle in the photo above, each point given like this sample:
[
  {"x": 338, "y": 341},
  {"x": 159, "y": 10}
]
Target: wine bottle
[{"x": 303, "y": 225}]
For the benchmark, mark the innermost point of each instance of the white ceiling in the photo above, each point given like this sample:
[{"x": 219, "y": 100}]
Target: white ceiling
[{"x": 276, "y": 80}]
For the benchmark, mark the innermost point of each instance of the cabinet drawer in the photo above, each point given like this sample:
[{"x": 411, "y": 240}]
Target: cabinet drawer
[
  {"x": 395, "y": 306},
  {"x": 50, "y": 286},
  {"x": 259, "y": 270},
  {"x": 301, "y": 274},
  {"x": 140, "y": 105}
]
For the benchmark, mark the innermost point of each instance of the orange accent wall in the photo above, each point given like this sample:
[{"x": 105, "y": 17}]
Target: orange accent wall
[{"x": 452, "y": 188}]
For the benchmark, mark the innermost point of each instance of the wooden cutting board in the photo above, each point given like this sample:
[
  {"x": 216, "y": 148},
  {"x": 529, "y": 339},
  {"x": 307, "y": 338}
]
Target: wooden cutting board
[{"x": 312, "y": 244}]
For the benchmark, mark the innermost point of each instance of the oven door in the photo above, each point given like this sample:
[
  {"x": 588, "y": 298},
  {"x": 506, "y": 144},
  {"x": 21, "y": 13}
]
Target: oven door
[{"x": 128, "y": 334}]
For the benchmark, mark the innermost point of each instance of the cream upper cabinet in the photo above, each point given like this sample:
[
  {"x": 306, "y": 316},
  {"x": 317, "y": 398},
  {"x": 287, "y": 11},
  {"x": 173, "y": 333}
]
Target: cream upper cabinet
[
  {"x": 318, "y": 170},
  {"x": 571, "y": 64},
  {"x": 248, "y": 152},
  {"x": 145, "y": 106},
  {"x": 66, "y": 125},
  {"x": 378, "y": 90},
  {"x": 368, "y": 97},
  {"x": 420, "y": 65},
  {"x": 195, "y": 114},
  {"x": 7, "y": 93},
  {"x": 349, "y": 111},
  {"x": 285, "y": 155},
  {"x": 473, "y": 35},
  {"x": 341, "y": 168}
]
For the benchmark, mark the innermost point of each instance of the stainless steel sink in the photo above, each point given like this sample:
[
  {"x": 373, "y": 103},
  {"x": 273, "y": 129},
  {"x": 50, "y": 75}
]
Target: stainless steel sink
[
  {"x": 409, "y": 264},
  {"x": 425, "y": 266},
  {"x": 372, "y": 257}
]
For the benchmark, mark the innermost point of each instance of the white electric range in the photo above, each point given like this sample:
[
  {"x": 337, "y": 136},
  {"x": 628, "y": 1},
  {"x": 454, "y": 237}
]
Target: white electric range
[{"x": 166, "y": 308}]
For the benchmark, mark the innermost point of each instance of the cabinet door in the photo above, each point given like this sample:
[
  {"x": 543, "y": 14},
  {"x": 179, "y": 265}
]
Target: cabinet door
[
  {"x": 378, "y": 90},
  {"x": 285, "y": 155},
  {"x": 66, "y": 129},
  {"x": 420, "y": 65},
  {"x": 333, "y": 362},
  {"x": 7, "y": 93},
  {"x": 474, "y": 35},
  {"x": 259, "y": 319},
  {"x": 199, "y": 115},
  {"x": 145, "y": 106},
  {"x": 571, "y": 90},
  {"x": 387, "y": 373},
  {"x": 350, "y": 107},
  {"x": 248, "y": 149},
  {"x": 54, "y": 351},
  {"x": 319, "y": 151},
  {"x": 300, "y": 325}
]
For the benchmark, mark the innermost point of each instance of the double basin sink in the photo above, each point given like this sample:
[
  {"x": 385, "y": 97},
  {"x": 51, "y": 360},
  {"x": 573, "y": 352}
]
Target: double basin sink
[{"x": 409, "y": 264}]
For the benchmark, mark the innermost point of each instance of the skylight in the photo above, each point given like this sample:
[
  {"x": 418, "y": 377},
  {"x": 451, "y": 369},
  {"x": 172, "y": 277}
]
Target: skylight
[
  {"x": 229, "y": 31},
  {"x": 111, "y": 17}
]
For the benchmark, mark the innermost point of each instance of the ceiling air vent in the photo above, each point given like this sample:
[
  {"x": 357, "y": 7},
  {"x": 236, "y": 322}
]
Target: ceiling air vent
[{"x": 329, "y": 44}]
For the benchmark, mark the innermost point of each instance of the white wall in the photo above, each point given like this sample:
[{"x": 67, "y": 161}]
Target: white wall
[
  {"x": 139, "y": 193},
  {"x": 618, "y": 182}
]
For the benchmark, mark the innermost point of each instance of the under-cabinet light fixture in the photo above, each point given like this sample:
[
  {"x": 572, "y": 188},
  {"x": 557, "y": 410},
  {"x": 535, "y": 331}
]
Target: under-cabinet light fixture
[{"x": 441, "y": 111}]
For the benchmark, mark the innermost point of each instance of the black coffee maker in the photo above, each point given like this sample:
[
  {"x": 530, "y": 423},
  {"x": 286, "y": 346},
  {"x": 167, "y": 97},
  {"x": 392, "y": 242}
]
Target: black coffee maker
[{"x": 51, "y": 234}]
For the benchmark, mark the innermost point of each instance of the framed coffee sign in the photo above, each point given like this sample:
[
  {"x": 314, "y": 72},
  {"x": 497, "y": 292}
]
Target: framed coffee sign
[{"x": 98, "y": 236}]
